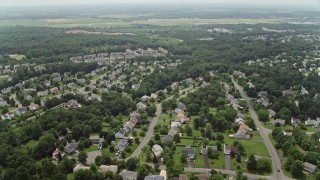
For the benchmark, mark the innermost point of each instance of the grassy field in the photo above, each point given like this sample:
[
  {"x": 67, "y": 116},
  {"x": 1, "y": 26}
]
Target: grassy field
[
  {"x": 17, "y": 57},
  {"x": 119, "y": 22},
  {"x": 218, "y": 163},
  {"x": 30, "y": 144},
  {"x": 189, "y": 142},
  {"x": 289, "y": 128},
  {"x": 251, "y": 146}
]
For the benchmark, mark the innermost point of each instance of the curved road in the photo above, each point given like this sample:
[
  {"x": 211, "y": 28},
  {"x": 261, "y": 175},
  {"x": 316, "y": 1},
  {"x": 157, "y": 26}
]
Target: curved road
[{"x": 264, "y": 134}]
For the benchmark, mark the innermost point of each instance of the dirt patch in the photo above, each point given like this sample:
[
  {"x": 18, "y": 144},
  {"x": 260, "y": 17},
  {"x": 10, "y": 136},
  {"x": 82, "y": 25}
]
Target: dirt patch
[
  {"x": 55, "y": 20},
  {"x": 79, "y": 31}
]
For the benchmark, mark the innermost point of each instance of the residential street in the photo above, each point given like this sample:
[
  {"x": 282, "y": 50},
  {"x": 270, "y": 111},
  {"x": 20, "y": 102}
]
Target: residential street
[
  {"x": 149, "y": 134},
  {"x": 232, "y": 173},
  {"x": 264, "y": 134}
]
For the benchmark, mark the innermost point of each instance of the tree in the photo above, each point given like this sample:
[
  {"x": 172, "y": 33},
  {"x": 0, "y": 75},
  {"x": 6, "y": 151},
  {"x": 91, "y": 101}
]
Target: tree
[
  {"x": 183, "y": 158},
  {"x": 252, "y": 163},
  {"x": 194, "y": 178},
  {"x": 238, "y": 159},
  {"x": 296, "y": 168},
  {"x": 208, "y": 131},
  {"x": 220, "y": 137},
  {"x": 132, "y": 164},
  {"x": 59, "y": 176},
  {"x": 176, "y": 138},
  {"x": 82, "y": 157},
  {"x": 240, "y": 176},
  {"x": 148, "y": 154},
  {"x": 263, "y": 115},
  {"x": 143, "y": 171},
  {"x": 196, "y": 122},
  {"x": 188, "y": 130},
  {"x": 83, "y": 175},
  {"x": 264, "y": 165},
  {"x": 317, "y": 176},
  {"x": 151, "y": 110},
  {"x": 22, "y": 173},
  {"x": 157, "y": 137}
]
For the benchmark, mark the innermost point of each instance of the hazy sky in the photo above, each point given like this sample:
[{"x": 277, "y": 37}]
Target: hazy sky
[{"x": 282, "y": 3}]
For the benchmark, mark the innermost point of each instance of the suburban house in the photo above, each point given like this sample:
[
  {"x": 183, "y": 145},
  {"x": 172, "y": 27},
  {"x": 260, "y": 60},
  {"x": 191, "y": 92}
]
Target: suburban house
[
  {"x": 122, "y": 144},
  {"x": 263, "y": 94},
  {"x": 120, "y": 134},
  {"x": 309, "y": 167},
  {"x": 72, "y": 104},
  {"x": 157, "y": 150},
  {"x": 182, "y": 177},
  {"x": 34, "y": 107},
  {"x": 243, "y": 132},
  {"x": 145, "y": 98},
  {"x": 154, "y": 177},
  {"x": 141, "y": 106},
  {"x": 272, "y": 113},
  {"x": 182, "y": 118},
  {"x": 314, "y": 123},
  {"x": 3, "y": 103},
  {"x": 167, "y": 138},
  {"x": 96, "y": 140},
  {"x": 71, "y": 148},
  {"x": 7, "y": 116},
  {"x": 229, "y": 150},
  {"x": 204, "y": 151},
  {"x": 80, "y": 167},
  {"x": 295, "y": 121},
  {"x": 20, "y": 110},
  {"x": 129, "y": 175},
  {"x": 57, "y": 154},
  {"x": 43, "y": 93},
  {"x": 202, "y": 176},
  {"x": 54, "y": 90},
  {"x": 111, "y": 168},
  {"x": 191, "y": 153},
  {"x": 287, "y": 93},
  {"x": 280, "y": 122}
]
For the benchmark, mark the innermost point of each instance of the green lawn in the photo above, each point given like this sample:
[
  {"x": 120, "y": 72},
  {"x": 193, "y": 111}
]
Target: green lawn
[
  {"x": 165, "y": 119},
  {"x": 189, "y": 142},
  {"x": 199, "y": 163},
  {"x": 91, "y": 148},
  {"x": 70, "y": 176},
  {"x": 251, "y": 146},
  {"x": 218, "y": 163},
  {"x": 213, "y": 110},
  {"x": 24, "y": 147}
]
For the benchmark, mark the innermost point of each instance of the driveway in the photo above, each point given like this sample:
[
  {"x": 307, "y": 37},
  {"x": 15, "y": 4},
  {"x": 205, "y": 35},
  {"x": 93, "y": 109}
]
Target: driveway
[
  {"x": 206, "y": 161},
  {"x": 227, "y": 159},
  {"x": 92, "y": 156}
]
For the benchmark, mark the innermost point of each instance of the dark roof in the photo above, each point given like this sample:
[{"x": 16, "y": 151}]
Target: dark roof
[
  {"x": 309, "y": 167},
  {"x": 154, "y": 177},
  {"x": 71, "y": 148}
]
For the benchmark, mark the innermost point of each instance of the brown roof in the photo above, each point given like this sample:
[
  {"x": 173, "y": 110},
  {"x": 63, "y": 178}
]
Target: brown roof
[{"x": 183, "y": 177}]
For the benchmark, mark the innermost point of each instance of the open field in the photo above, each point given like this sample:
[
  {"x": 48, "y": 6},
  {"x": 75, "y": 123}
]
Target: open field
[
  {"x": 106, "y": 23},
  {"x": 17, "y": 57}
]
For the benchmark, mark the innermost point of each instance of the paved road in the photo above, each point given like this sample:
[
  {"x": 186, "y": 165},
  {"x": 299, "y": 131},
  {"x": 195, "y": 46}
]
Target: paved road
[
  {"x": 231, "y": 173},
  {"x": 227, "y": 162},
  {"x": 149, "y": 134},
  {"x": 264, "y": 134}
]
